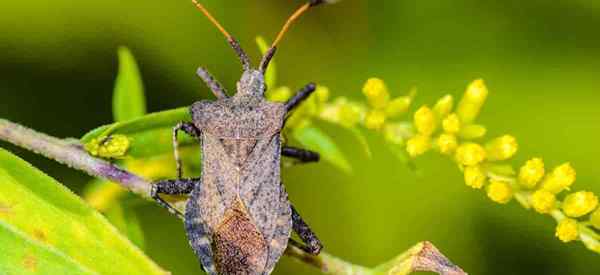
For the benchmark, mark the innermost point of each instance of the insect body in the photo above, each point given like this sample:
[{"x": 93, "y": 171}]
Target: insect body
[{"x": 238, "y": 218}]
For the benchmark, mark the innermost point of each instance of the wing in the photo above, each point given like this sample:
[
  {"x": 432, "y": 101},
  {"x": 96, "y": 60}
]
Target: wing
[{"x": 265, "y": 198}]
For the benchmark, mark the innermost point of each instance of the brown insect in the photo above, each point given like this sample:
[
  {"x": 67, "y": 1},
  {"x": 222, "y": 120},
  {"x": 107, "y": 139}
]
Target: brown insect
[{"x": 238, "y": 218}]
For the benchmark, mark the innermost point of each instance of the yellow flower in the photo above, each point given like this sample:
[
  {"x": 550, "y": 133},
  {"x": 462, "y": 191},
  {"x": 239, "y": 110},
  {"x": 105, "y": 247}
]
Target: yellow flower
[
  {"x": 499, "y": 192},
  {"x": 418, "y": 145},
  {"x": 475, "y": 177},
  {"x": 470, "y": 154},
  {"x": 375, "y": 120},
  {"x": 595, "y": 219},
  {"x": 531, "y": 173},
  {"x": 451, "y": 124},
  {"x": 444, "y": 106},
  {"x": 472, "y": 131},
  {"x": 377, "y": 93},
  {"x": 398, "y": 106},
  {"x": 447, "y": 144},
  {"x": 502, "y": 148},
  {"x": 471, "y": 103},
  {"x": 115, "y": 146},
  {"x": 561, "y": 178},
  {"x": 579, "y": 204},
  {"x": 425, "y": 121},
  {"x": 543, "y": 201},
  {"x": 567, "y": 230}
]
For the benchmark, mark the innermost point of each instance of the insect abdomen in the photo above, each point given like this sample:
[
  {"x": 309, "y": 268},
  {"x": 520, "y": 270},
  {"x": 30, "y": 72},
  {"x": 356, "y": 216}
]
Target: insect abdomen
[{"x": 239, "y": 246}]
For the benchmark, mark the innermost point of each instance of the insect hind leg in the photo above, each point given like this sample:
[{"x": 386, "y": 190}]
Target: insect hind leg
[
  {"x": 172, "y": 187},
  {"x": 312, "y": 243}
]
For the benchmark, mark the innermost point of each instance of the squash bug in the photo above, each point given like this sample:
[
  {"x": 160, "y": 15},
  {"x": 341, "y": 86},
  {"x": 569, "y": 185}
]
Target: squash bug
[{"x": 238, "y": 218}]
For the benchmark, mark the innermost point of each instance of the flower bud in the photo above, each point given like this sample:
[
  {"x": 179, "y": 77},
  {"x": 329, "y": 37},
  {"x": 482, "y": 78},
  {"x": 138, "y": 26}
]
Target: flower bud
[
  {"x": 561, "y": 178},
  {"x": 499, "y": 192},
  {"x": 114, "y": 146},
  {"x": 543, "y": 201},
  {"x": 501, "y": 148},
  {"x": 425, "y": 121},
  {"x": 444, "y": 106},
  {"x": 531, "y": 173},
  {"x": 451, "y": 124},
  {"x": 375, "y": 120},
  {"x": 567, "y": 230},
  {"x": 471, "y": 103},
  {"x": 475, "y": 177},
  {"x": 398, "y": 106},
  {"x": 579, "y": 204},
  {"x": 470, "y": 154},
  {"x": 447, "y": 144},
  {"x": 472, "y": 131},
  {"x": 377, "y": 93},
  {"x": 418, "y": 145}
]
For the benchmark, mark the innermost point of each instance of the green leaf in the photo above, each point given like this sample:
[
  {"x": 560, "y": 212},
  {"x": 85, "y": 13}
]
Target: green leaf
[
  {"x": 150, "y": 135},
  {"x": 56, "y": 228},
  {"x": 314, "y": 139},
  {"x": 128, "y": 97},
  {"x": 123, "y": 216},
  {"x": 20, "y": 254},
  {"x": 271, "y": 74}
]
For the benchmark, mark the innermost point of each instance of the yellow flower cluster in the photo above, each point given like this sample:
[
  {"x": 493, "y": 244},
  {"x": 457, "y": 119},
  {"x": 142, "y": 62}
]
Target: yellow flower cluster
[
  {"x": 452, "y": 131},
  {"x": 115, "y": 146}
]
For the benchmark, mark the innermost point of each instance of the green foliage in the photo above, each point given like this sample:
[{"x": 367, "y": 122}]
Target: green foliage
[
  {"x": 150, "y": 135},
  {"x": 46, "y": 227},
  {"x": 21, "y": 254},
  {"x": 315, "y": 139},
  {"x": 128, "y": 100}
]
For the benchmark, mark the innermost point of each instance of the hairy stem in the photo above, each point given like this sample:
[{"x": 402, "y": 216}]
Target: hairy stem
[{"x": 422, "y": 257}]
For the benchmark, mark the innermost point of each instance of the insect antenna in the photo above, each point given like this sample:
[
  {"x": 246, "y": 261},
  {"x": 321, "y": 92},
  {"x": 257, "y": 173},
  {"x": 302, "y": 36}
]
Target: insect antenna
[
  {"x": 264, "y": 64},
  {"x": 232, "y": 41}
]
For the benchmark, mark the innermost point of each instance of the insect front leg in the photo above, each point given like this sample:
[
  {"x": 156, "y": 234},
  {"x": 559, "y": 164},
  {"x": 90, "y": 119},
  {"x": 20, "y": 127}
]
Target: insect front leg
[
  {"x": 302, "y": 155},
  {"x": 312, "y": 244},
  {"x": 189, "y": 129},
  {"x": 213, "y": 84},
  {"x": 172, "y": 187},
  {"x": 302, "y": 95}
]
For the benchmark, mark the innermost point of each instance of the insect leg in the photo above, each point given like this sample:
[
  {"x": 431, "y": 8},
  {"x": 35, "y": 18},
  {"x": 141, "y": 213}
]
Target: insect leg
[
  {"x": 312, "y": 244},
  {"x": 300, "y": 154},
  {"x": 213, "y": 84},
  {"x": 189, "y": 129},
  {"x": 300, "y": 96},
  {"x": 172, "y": 187}
]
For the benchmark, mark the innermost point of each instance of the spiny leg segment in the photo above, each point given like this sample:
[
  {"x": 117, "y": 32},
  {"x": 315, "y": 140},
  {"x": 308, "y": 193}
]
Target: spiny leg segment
[
  {"x": 172, "y": 187},
  {"x": 312, "y": 244},
  {"x": 190, "y": 129},
  {"x": 302, "y": 155}
]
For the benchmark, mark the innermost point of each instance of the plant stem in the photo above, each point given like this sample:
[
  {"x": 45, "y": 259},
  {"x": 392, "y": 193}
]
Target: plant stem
[
  {"x": 422, "y": 257},
  {"x": 72, "y": 154}
]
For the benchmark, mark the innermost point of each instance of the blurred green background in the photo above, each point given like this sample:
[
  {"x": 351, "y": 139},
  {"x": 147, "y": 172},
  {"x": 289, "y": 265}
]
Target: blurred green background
[{"x": 540, "y": 59}]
